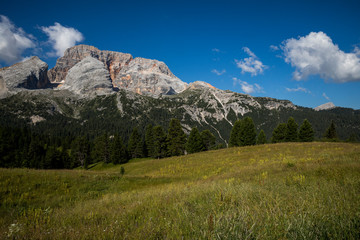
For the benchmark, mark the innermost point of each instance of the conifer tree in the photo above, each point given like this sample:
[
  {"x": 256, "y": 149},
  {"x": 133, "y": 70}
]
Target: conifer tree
[
  {"x": 159, "y": 142},
  {"x": 306, "y": 132},
  {"x": 261, "y": 138},
  {"x": 234, "y": 140},
  {"x": 247, "y": 132},
  {"x": 331, "y": 132},
  {"x": 135, "y": 146},
  {"x": 291, "y": 130},
  {"x": 194, "y": 143},
  {"x": 176, "y": 138},
  {"x": 101, "y": 150},
  {"x": 208, "y": 139},
  {"x": 279, "y": 133},
  {"x": 80, "y": 152},
  {"x": 118, "y": 151},
  {"x": 149, "y": 141}
]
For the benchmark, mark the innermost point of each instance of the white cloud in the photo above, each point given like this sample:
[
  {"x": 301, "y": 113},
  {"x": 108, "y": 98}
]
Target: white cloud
[
  {"x": 219, "y": 73},
  {"x": 62, "y": 38},
  {"x": 325, "y": 96},
  {"x": 216, "y": 50},
  {"x": 316, "y": 54},
  {"x": 246, "y": 87},
  {"x": 274, "y": 48},
  {"x": 299, "y": 89},
  {"x": 13, "y": 41},
  {"x": 252, "y": 64}
]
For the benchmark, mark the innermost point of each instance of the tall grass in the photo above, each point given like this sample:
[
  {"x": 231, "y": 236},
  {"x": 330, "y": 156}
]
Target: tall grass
[{"x": 278, "y": 191}]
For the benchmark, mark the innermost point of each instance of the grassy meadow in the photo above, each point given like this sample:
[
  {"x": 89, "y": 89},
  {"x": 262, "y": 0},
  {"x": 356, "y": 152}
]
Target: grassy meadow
[{"x": 273, "y": 191}]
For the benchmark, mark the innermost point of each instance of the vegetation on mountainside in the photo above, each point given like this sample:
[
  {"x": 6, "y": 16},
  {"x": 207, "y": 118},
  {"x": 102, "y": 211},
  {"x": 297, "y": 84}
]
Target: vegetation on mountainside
[{"x": 272, "y": 191}]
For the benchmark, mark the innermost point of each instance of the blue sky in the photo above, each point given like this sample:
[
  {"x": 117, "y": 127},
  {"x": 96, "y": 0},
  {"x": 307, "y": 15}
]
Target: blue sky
[{"x": 303, "y": 51}]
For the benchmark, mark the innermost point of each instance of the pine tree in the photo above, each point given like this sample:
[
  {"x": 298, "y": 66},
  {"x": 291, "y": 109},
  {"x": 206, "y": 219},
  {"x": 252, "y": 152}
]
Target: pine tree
[
  {"x": 135, "y": 145},
  {"x": 194, "y": 143},
  {"x": 330, "y": 133},
  {"x": 279, "y": 133},
  {"x": 247, "y": 132},
  {"x": 176, "y": 138},
  {"x": 261, "y": 138},
  {"x": 80, "y": 152},
  {"x": 208, "y": 139},
  {"x": 234, "y": 140},
  {"x": 118, "y": 151},
  {"x": 159, "y": 142},
  {"x": 291, "y": 130},
  {"x": 101, "y": 150},
  {"x": 306, "y": 132},
  {"x": 149, "y": 141}
]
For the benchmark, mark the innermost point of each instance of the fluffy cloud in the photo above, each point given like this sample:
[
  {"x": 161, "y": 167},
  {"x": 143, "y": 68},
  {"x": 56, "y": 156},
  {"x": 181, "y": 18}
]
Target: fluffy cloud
[
  {"x": 246, "y": 87},
  {"x": 219, "y": 73},
  {"x": 299, "y": 89},
  {"x": 216, "y": 50},
  {"x": 13, "y": 41},
  {"x": 62, "y": 38},
  {"x": 316, "y": 54},
  {"x": 252, "y": 64},
  {"x": 274, "y": 48},
  {"x": 325, "y": 96}
]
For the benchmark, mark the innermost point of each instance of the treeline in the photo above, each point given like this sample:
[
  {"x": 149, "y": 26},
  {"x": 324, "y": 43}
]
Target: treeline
[{"x": 244, "y": 133}]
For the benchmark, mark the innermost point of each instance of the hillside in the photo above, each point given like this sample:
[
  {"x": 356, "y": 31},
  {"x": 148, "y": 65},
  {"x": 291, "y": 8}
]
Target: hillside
[{"x": 275, "y": 191}]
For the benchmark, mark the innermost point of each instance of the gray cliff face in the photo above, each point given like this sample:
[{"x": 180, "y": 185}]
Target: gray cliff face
[
  {"x": 113, "y": 61},
  {"x": 30, "y": 74},
  {"x": 325, "y": 106},
  {"x": 89, "y": 77},
  {"x": 149, "y": 77},
  {"x": 139, "y": 75}
]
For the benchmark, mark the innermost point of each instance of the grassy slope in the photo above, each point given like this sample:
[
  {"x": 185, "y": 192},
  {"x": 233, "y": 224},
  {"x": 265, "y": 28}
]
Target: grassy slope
[{"x": 278, "y": 191}]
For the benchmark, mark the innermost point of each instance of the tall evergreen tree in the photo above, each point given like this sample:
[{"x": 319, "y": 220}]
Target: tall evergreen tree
[
  {"x": 234, "y": 140},
  {"x": 247, "y": 132},
  {"x": 208, "y": 139},
  {"x": 159, "y": 144},
  {"x": 306, "y": 132},
  {"x": 331, "y": 132},
  {"x": 261, "y": 138},
  {"x": 118, "y": 151},
  {"x": 149, "y": 141},
  {"x": 279, "y": 133},
  {"x": 194, "y": 143},
  {"x": 101, "y": 150},
  {"x": 176, "y": 138},
  {"x": 291, "y": 130},
  {"x": 135, "y": 146},
  {"x": 80, "y": 152}
]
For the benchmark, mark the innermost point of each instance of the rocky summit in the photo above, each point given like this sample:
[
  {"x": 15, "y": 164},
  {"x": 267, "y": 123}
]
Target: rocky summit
[
  {"x": 325, "y": 106},
  {"x": 29, "y": 74}
]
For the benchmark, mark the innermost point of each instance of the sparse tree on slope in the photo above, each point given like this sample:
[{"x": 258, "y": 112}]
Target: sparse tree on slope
[
  {"x": 159, "y": 142},
  {"x": 279, "y": 133},
  {"x": 261, "y": 138},
  {"x": 234, "y": 140},
  {"x": 208, "y": 139},
  {"x": 291, "y": 130},
  {"x": 176, "y": 138},
  {"x": 194, "y": 143},
  {"x": 331, "y": 132},
  {"x": 306, "y": 132},
  {"x": 247, "y": 132}
]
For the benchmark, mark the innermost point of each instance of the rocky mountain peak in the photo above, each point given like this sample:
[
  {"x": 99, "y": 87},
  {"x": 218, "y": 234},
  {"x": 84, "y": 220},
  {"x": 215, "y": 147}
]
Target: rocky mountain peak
[
  {"x": 29, "y": 74},
  {"x": 325, "y": 106},
  {"x": 200, "y": 85}
]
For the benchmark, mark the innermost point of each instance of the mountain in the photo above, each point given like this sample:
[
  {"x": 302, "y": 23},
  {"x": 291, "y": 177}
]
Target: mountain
[
  {"x": 325, "y": 106},
  {"x": 96, "y": 91}
]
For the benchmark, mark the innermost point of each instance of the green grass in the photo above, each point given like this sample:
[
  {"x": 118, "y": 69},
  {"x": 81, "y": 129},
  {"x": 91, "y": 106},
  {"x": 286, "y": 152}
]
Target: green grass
[{"x": 277, "y": 191}]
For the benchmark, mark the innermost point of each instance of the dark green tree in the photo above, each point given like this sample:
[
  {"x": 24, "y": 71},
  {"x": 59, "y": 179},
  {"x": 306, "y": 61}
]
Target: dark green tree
[
  {"x": 176, "y": 138},
  {"x": 291, "y": 130},
  {"x": 101, "y": 149},
  {"x": 135, "y": 146},
  {"x": 330, "y": 133},
  {"x": 352, "y": 138},
  {"x": 234, "y": 140},
  {"x": 194, "y": 143},
  {"x": 261, "y": 138},
  {"x": 149, "y": 141},
  {"x": 80, "y": 152},
  {"x": 118, "y": 151},
  {"x": 306, "y": 132},
  {"x": 208, "y": 139},
  {"x": 279, "y": 133},
  {"x": 247, "y": 132},
  {"x": 159, "y": 142}
]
